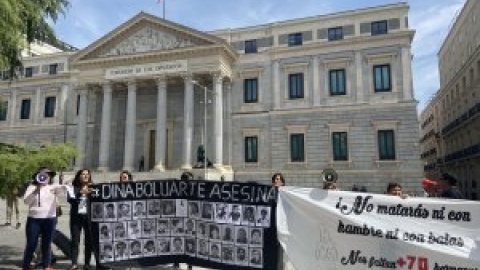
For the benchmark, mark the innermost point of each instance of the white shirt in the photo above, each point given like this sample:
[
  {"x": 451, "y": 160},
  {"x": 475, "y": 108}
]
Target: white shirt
[{"x": 44, "y": 203}]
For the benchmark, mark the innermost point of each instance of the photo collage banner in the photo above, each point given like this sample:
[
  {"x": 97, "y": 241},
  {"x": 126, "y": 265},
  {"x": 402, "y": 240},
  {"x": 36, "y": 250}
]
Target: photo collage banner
[{"x": 211, "y": 224}]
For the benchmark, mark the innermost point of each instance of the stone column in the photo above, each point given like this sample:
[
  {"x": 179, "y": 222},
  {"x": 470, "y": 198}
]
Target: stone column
[
  {"x": 161, "y": 134},
  {"x": 276, "y": 84},
  {"x": 12, "y": 107},
  {"x": 82, "y": 127},
  {"x": 316, "y": 81},
  {"x": 218, "y": 119},
  {"x": 187, "y": 123},
  {"x": 105, "y": 127},
  {"x": 407, "y": 74},
  {"x": 361, "y": 93},
  {"x": 130, "y": 127},
  {"x": 37, "y": 112}
]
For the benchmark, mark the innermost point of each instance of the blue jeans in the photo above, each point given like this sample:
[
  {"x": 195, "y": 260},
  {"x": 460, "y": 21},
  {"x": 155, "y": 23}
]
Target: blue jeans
[{"x": 36, "y": 227}]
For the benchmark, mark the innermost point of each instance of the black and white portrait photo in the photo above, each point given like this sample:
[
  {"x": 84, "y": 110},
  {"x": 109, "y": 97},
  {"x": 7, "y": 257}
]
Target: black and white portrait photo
[
  {"x": 221, "y": 212},
  {"x": 181, "y": 208},
  {"x": 207, "y": 211},
  {"x": 193, "y": 209},
  {"x": 134, "y": 227},
  {"x": 105, "y": 232},
  {"x": 241, "y": 255},
  {"x": 109, "y": 212},
  {"x": 248, "y": 217},
  {"x": 190, "y": 228},
  {"x": 148, "y": 228},
  {"x": 256, "y": 258},
  {"x": 241, "y": 235},
  {"x": 215, "y": 251},
  {"x": 149, "y": 248},
  {"x": 177, "y": 226},
  {"x": 139, "y": 209},
  {"x": 124, "y": 211},
  {"x": 263, "y": 216},
  {"x": 256, "y": 236},
  {"x": 168, "y": 208},
  {"x": 235, "y": 214},
  {"x": 177, "y": 245},
  {"x": 214, "y": 231},
  {"x": 97, "y": 212},
  {"x": 190, "y": 246},
  {"x": 121, "y": 251},
  {"x": 106, "y": 252},
  {"x": 163, "y": 245},
  {"x": 135, "y": 249},
  {"x": 153, "y": 208},
  {"x": 202, "y": 248},
  {"x": 227, "y": 233},
  {"x": 119, "y": 231},
  {"x": 163, "y": 226},
  {"x": 228, "y": 254},
  {"x": 202, "y": 229}
]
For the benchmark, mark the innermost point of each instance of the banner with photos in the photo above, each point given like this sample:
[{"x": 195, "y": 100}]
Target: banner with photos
[
  {"x": 211, "y": 224},
  {"x": 335, "y": 230}
]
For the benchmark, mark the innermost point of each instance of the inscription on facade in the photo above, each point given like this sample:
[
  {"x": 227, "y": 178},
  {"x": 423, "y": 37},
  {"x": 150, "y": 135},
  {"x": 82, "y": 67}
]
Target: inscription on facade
[{"x": 146, "y": 70}]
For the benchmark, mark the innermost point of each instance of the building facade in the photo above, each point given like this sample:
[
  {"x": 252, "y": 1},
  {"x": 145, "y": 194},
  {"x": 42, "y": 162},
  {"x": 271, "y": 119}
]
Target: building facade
[
  {"x": 297, "y": 97},
  {"x": 450, "y": 124}
]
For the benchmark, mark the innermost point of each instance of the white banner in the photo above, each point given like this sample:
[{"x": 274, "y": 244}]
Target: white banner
[
  {"x": 345, "y": 230},
  {"x": 147, "y": 69}
]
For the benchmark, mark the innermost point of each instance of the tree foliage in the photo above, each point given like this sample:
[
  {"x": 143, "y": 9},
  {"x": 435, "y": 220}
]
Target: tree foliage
[
  {"x": 22, "y": 22},
  {"x": 18, "y": 164}
]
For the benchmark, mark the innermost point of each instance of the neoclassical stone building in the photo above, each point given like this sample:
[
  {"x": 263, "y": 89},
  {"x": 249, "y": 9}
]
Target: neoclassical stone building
[{"x": 298, "y": 96}]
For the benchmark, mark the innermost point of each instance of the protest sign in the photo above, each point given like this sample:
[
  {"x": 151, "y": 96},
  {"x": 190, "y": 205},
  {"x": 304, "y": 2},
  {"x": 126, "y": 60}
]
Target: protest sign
[
  {"x": 212, "y": 224},
  {"x": 322, "y": 229}
]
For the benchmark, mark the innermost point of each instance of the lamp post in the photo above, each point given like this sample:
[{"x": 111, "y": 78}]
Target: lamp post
[{"x": 205, "y": 101}]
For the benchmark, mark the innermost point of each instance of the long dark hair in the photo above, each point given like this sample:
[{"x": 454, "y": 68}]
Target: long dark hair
[
  {"x": 77, "y": 182},
  {"x": 281, "y": 178}
]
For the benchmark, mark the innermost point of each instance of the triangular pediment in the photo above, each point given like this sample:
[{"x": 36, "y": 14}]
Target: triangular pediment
[{"x": 146, "y": 33}]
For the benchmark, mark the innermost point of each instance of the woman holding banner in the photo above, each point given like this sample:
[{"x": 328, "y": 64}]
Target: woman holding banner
[
  {"x": 80, "y": 219},
  {"x": 277, "y": 181}
]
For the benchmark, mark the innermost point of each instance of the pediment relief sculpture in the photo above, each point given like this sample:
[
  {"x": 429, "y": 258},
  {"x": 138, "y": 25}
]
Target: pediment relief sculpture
[{"x": 149, "y": 39}]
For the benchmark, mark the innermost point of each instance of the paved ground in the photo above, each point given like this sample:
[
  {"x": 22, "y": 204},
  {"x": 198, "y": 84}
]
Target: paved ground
[{"x": 12, "y": 242}]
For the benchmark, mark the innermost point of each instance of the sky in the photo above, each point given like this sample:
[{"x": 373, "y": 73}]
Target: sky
[{"x": 88, "y": 20}]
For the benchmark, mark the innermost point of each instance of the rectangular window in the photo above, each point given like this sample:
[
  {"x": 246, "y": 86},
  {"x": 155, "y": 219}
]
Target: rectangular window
[
  {"x": 386, "y": 145},
  {"x": 382, "y": 78},
  {"x": 297, "y": 150},
  {"x": 250, "y": 90},
  {"x": 49, "y": 107},
  {"x": 52, "y": 69},
  {"x": 3, "y": 110},
  {"x": 28, "y": 72},
  {"x": 337, "y": 82},
  {"x": 251, "y": 46},
  {"x": 379, "y": 28},
  {"x": 295, "y": 39},
  {"x": 78, "y": 104},
  {"x": 335, "y": 33},
  {"x": 251, "y": 149},
  {"x": 340, "y": 145},
  {"x": 295, "y": 85},
  {"x": 25, "y": 109}
]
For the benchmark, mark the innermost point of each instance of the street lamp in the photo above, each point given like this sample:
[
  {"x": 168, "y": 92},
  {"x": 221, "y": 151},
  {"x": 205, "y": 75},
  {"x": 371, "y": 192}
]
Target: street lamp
[{"x": 205, "y": 101}]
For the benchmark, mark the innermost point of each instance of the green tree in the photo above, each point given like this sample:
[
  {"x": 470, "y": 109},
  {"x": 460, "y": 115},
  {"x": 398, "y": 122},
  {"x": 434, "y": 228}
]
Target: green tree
[
  {"x": 22, "y": 22},
  {"x": 18, "y": 164}
]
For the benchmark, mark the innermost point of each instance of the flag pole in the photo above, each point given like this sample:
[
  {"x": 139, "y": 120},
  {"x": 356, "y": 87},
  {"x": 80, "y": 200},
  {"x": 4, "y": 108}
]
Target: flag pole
[{"x": 164, "y": 8}]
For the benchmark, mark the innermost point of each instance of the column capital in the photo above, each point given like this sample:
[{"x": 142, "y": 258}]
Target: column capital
[
  {"x": 187, "y": 77},
  {"x": 217, "y": 76},
  {"x": 160, "y": 80}
]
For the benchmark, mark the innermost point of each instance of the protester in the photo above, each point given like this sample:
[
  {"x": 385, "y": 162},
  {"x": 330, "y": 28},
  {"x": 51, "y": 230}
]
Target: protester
[
  {"x": 429, "y": 187},
  {"x": 330, "y": 186},
  {"x": 395, "y": 189},
  {"x": 186, "y": 176},
  {"x": 125, "y": 177},
  {"x": 12, "y": 203},
  {"x": 40, "y": 197},
  {"x": 448, "y": 186},
  {"x": 79, "y": 219},
  {"x": 278, "y": 180}
]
